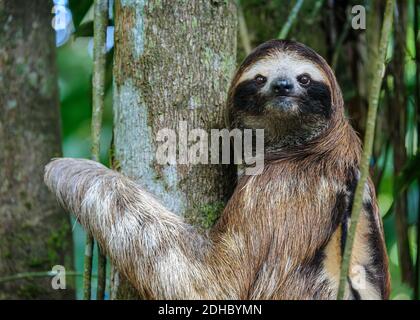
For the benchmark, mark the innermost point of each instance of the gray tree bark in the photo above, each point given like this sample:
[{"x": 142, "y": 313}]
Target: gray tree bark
[
  {"x": 34, "y": 234},
  {"x": 173, "y": 62}
]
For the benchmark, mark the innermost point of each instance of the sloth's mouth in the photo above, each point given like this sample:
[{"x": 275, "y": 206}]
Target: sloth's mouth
[{"x": 284, "y": 103}]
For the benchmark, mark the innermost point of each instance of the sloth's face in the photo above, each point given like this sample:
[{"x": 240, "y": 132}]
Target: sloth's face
[{"x": 284, "y": 92}]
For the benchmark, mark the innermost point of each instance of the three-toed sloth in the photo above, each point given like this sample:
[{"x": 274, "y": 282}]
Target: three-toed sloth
[{"x": 282, "y": 233}]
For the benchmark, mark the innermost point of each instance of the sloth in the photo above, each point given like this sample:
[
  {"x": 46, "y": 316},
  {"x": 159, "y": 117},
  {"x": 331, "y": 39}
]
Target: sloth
[{"x": 282, "y": 233}]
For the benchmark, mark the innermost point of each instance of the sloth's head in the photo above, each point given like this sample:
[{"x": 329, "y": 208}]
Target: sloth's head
[{"x": 288, "y": 90}]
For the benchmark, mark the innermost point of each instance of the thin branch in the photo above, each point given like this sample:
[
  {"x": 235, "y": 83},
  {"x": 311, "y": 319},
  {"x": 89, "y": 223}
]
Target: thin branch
[
  {"x": 115, "y": 283},
  {"x": 114, "y": 276},
  {"x": 417, "y": 103},
  {"x": 290, "y": 20},
  {"x": 100, "y": 24},
  {"x": 368, "y": 144},
  {"x": 99, "y": 70},
  {"x": 243, "y": 29},
  {"x": 398, "y": 125},
  {"x": 100, "y": 290},
  {"x": 315, "y": 11},
  {"x": 41, "y": 274},
  {"x": 340, "y": 42},
  {"x": 381, "y": 170},
  {"x": 87, "y": 272}
]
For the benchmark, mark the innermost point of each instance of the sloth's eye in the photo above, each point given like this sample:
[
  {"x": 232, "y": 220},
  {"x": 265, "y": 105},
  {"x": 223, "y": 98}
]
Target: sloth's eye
[
  {"x": 304, "y": 79},
  {"x": 259, "y": 79}
]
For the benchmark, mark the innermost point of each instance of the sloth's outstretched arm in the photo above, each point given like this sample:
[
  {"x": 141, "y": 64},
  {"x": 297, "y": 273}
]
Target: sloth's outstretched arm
[{"x": 160, "y": 254}]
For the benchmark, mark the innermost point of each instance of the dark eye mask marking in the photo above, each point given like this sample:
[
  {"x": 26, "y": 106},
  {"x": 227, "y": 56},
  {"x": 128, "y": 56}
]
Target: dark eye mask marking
[
  {"x": 317, "y": 99},
  {"x": 248, "y": 98}
]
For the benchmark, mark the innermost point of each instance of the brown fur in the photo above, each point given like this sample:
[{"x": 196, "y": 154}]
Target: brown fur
[{"x": 279, "y": 237}]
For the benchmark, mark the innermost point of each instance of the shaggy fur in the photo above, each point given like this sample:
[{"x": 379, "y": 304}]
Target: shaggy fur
[{"x": 281, "y": 235}]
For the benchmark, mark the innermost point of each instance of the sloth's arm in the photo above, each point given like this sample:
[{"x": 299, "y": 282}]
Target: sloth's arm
[
  {"x": 378, "y": 266},
  {"x": 369, "y": 278},
  {"x": 160, "y": 254}
]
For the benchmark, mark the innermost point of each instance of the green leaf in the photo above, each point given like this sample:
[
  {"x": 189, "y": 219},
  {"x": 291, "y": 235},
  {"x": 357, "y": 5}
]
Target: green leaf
[
  {"x": 409, "y": 174},
  {"x": 79, "y": 8},
  {"x": 406, "y": 177}
]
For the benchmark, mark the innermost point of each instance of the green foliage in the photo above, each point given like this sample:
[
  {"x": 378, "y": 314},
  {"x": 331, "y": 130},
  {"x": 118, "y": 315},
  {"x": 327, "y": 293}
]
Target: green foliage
[
  {"x": 408, "y": 175},
  {"x": 79, "y": 8}
]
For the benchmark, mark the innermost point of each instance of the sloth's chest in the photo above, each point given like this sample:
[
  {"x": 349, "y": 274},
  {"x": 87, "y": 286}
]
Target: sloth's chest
[
  {"x": 304, "y": 215},
  {"x": 293, "y": 217},
  {"x": 295, "y": 200}
]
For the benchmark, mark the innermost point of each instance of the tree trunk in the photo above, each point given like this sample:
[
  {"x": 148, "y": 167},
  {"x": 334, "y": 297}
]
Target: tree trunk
[
  {"x": 34, "y": 234},
  {"x": 173, "y": 62}
]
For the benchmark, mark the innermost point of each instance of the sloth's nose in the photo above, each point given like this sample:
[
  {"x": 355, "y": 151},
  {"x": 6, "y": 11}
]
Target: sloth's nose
[{"x": 282, "y": 86}]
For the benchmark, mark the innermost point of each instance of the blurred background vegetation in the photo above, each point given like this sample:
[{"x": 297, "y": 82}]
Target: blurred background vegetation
[{"x": 324, "y": 26}]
